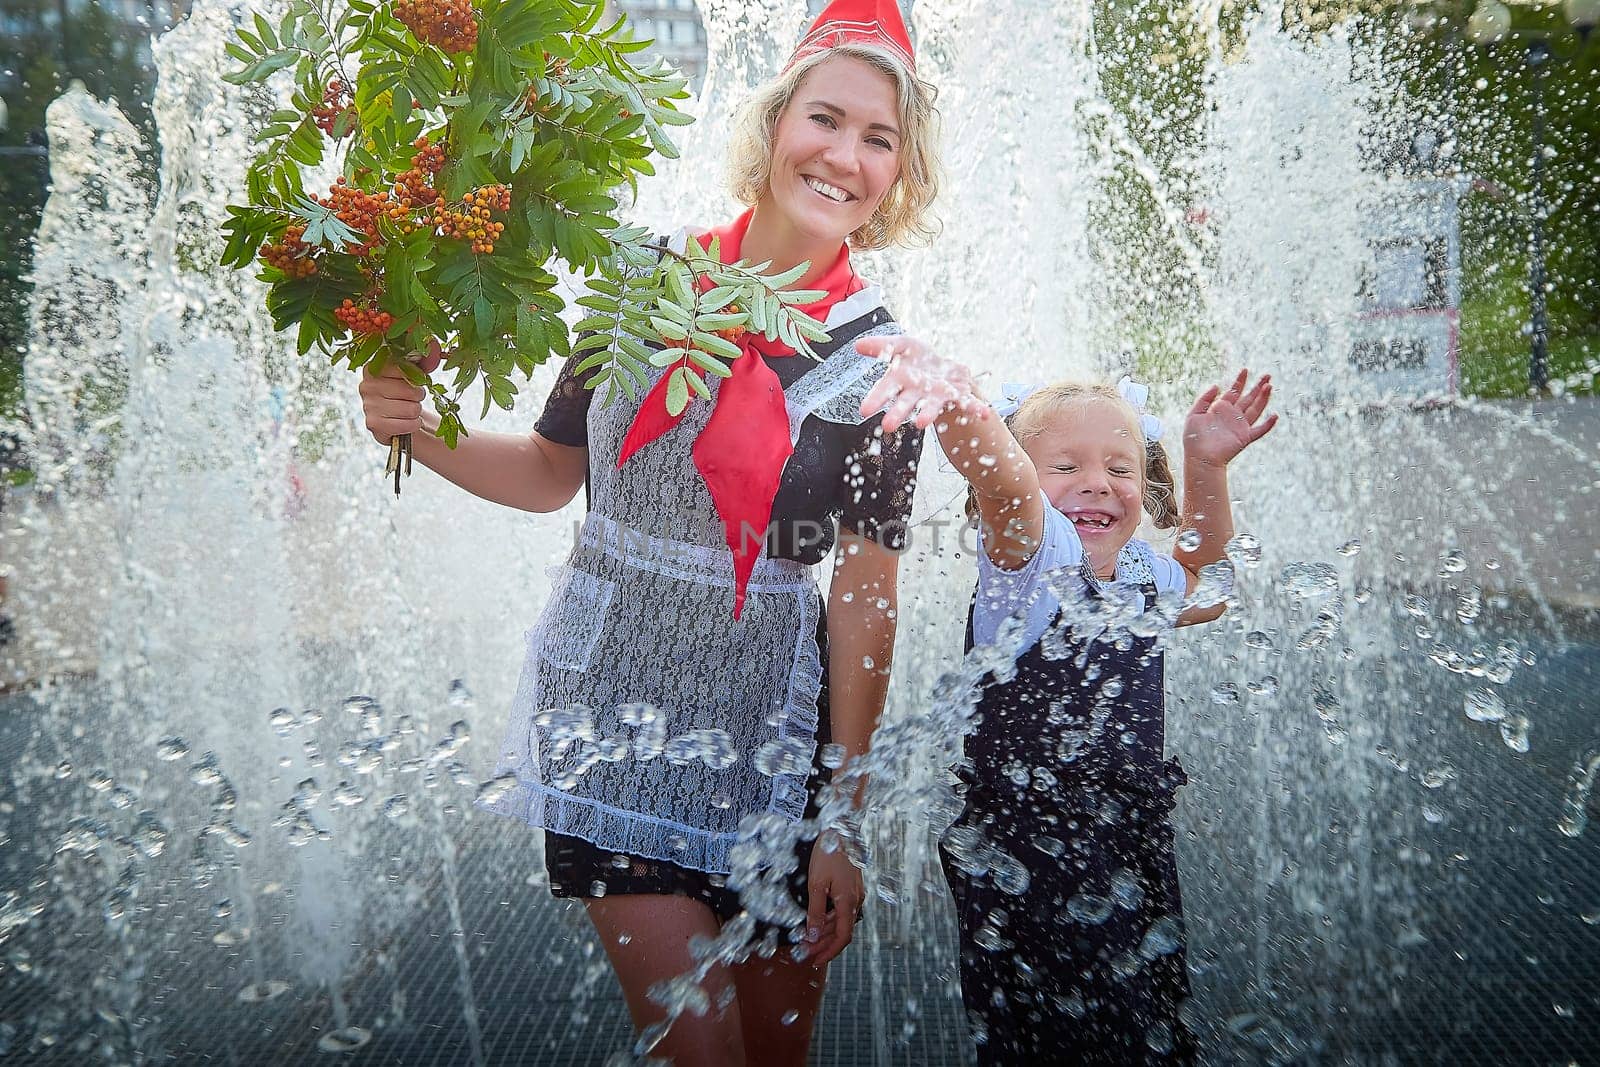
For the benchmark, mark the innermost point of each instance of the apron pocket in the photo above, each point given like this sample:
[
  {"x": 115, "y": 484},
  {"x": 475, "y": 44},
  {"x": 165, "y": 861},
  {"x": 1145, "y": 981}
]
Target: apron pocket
[{"x": 573, "y": 619}]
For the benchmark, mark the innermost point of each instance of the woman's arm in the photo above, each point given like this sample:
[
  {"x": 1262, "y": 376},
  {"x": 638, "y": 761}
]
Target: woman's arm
[
  {"x": 1219, "y": 427},
  {"x": 862, "y": 608},
  {"x": 524, "y": 471}
]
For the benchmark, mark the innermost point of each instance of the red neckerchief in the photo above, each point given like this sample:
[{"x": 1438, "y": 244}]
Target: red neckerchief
[{"x": 741, "y": 452}]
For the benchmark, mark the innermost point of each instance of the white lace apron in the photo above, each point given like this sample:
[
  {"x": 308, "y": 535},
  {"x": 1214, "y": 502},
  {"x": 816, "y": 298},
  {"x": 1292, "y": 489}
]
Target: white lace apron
[{"x": 648, "y": 720}]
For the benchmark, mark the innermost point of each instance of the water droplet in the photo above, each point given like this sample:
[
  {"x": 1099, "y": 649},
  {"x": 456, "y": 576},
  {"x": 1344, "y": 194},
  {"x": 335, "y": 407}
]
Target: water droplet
[
  {"x": 100, "y": 781},
  {"x": 205, "y": 771},
  {"x": 64, "y": 769},
  {"x": 1126, "y": 892},
  {"x": 1452, "y": 562},
  {"x": 172, "y": 748},
  {"x": 1089, "y": 909},
  {"x": 788, "y": 755},
  {"x": 1514, "y": 732},
  {"x": 1050, "y": 846},
  {"x": 790, "y": 1017},
  {"x": 345, "y": 1039},
  {"x": 496, "y": 789},
  {"x": 1438, "y": 777},
  {"x": 1263, "y": 687},
  {"x": 1189, "y": 540},
  {"x": 1482, "y": 705},
  {"x": 229, "y": 938},
  {"x": 1245, "y": 548},
  {"x": 1164, "y": 937},
  {"x": 1009, "y": 875},
  {"x": 396, "y": 806},
  {"x": 1350, "y": 547},
  {"x": 361, "y": 705},
  {"x": 261, "y": 992},
  {"x": 1214, "y": 586},
  {"x": 460, "y": 696},
  {"x": 346, "y": 795},
  {"x": 1325, "y": 703},
  {"x": 1225, "y": 693},
  {"x": 1308, "y": 581},
  {"x": 282, "y": 720},
  {"x": 1260, "y": 640},
  {"x": 121, "y": 798},
  {"x": 1432, "y": 815}
]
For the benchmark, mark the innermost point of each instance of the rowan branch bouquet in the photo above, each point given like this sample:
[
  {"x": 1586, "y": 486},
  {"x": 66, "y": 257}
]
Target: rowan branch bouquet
[{"x": 477, "y": 143}]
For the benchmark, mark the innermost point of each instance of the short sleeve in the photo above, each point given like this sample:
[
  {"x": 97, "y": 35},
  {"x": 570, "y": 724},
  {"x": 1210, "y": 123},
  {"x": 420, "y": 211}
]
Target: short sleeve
[
  {"x": 1001, "y": 591},
  {"x": 565, "y": 418},
  {"x": 1170, "y": 576},
  {"x": 880, "y": 479}
]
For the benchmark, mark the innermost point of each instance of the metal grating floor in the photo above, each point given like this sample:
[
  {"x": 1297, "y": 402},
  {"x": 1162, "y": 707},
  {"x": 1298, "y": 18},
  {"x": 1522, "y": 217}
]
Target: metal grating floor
[{"x": 1508, "y": 971}]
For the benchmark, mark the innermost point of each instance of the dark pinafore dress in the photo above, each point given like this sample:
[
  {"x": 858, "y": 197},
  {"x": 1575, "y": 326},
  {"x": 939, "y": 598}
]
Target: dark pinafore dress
[{"x": 1065, "y": 774}]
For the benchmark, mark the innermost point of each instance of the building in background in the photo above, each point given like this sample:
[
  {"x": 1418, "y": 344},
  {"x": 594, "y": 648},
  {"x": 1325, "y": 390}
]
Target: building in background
[
  {"x": 679, "y": 34},
  {"x": 676, "y": 29}
]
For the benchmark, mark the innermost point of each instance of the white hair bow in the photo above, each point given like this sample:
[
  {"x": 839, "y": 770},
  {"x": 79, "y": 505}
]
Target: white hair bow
[
  {"x": 1138, "y": 396},
  {"x": 1013, "y": 394}
]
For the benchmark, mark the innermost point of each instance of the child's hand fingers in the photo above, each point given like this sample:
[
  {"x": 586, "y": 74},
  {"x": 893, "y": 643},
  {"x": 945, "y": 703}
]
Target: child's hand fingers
[
  {"x": 1264, "y": 428},
  {"x": 1202, "y": 403},
  {"x": 1236, "y": 389},
  {"x": 1255, "y": 402}
]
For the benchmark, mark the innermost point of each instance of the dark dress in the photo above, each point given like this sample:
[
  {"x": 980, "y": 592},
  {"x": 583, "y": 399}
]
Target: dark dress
[
  {"x": 845, "y": 474},
  {"x": 1065, "y": 774}
]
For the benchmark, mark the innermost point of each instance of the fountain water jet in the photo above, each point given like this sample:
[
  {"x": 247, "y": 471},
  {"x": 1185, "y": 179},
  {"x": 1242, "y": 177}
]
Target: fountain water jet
[{"x": 209, "y": 537}]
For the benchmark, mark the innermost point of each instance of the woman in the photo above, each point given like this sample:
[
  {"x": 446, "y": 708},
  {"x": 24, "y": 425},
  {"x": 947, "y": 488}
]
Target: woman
[{"x": 682, "y": 679}]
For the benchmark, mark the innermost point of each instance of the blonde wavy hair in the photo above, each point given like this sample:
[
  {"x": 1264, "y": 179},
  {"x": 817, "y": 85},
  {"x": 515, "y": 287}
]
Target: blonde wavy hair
[{"x": 903, "y": 217}]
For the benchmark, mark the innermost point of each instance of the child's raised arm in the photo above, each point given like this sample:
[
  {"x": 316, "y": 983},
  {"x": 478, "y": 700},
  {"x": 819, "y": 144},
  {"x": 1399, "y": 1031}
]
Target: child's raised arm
[
  {"x": 929, "y": 388},
  {"x": 1220, "y": 426},
  {"x": 1004, "y": 481}
]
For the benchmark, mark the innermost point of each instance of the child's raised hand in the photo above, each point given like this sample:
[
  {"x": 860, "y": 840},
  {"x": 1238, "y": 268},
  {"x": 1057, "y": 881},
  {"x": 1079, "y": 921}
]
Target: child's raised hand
[
  {"x": 1224, "y": 423},
  {"x": 918, "y": 384}
]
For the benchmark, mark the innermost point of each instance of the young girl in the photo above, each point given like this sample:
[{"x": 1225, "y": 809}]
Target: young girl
[{"x": 1062, "y": 864}]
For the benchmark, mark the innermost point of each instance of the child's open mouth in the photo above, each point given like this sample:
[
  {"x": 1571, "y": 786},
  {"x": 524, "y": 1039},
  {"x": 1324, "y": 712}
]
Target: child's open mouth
[{"x": 1092, "y": 520}]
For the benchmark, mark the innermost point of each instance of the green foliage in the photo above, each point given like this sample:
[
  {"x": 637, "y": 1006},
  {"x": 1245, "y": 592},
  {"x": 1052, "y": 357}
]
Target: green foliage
[
  {"x": 654, "y": 300},
  {"x": 546, "y": 109}
]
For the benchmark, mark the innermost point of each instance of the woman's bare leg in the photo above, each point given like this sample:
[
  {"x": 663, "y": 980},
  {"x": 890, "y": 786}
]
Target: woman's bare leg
[
  {"x": 772, "y": 991},
  {"x": 646, "y": 938}
]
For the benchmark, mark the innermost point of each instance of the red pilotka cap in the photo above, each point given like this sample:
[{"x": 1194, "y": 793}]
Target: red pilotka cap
[{"x": 876, "y": 22}]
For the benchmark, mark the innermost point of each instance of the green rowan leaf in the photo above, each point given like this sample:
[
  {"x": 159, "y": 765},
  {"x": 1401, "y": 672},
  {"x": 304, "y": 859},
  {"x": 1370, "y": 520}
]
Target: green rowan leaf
[{"x": 677, "y": 392}]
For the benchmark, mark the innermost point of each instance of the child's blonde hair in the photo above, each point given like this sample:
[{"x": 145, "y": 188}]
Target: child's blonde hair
[
  {"x": 903, "y": 215},
  {"x": 1035, "y": 412}
]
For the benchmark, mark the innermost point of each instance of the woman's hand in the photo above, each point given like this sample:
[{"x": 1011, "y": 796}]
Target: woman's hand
[
  {"x": 1224, "y": 423},
  {"x": 918, "y": 384},
  {"x": 392, "y": 405},
  {"x": 835, "y": 891}
]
